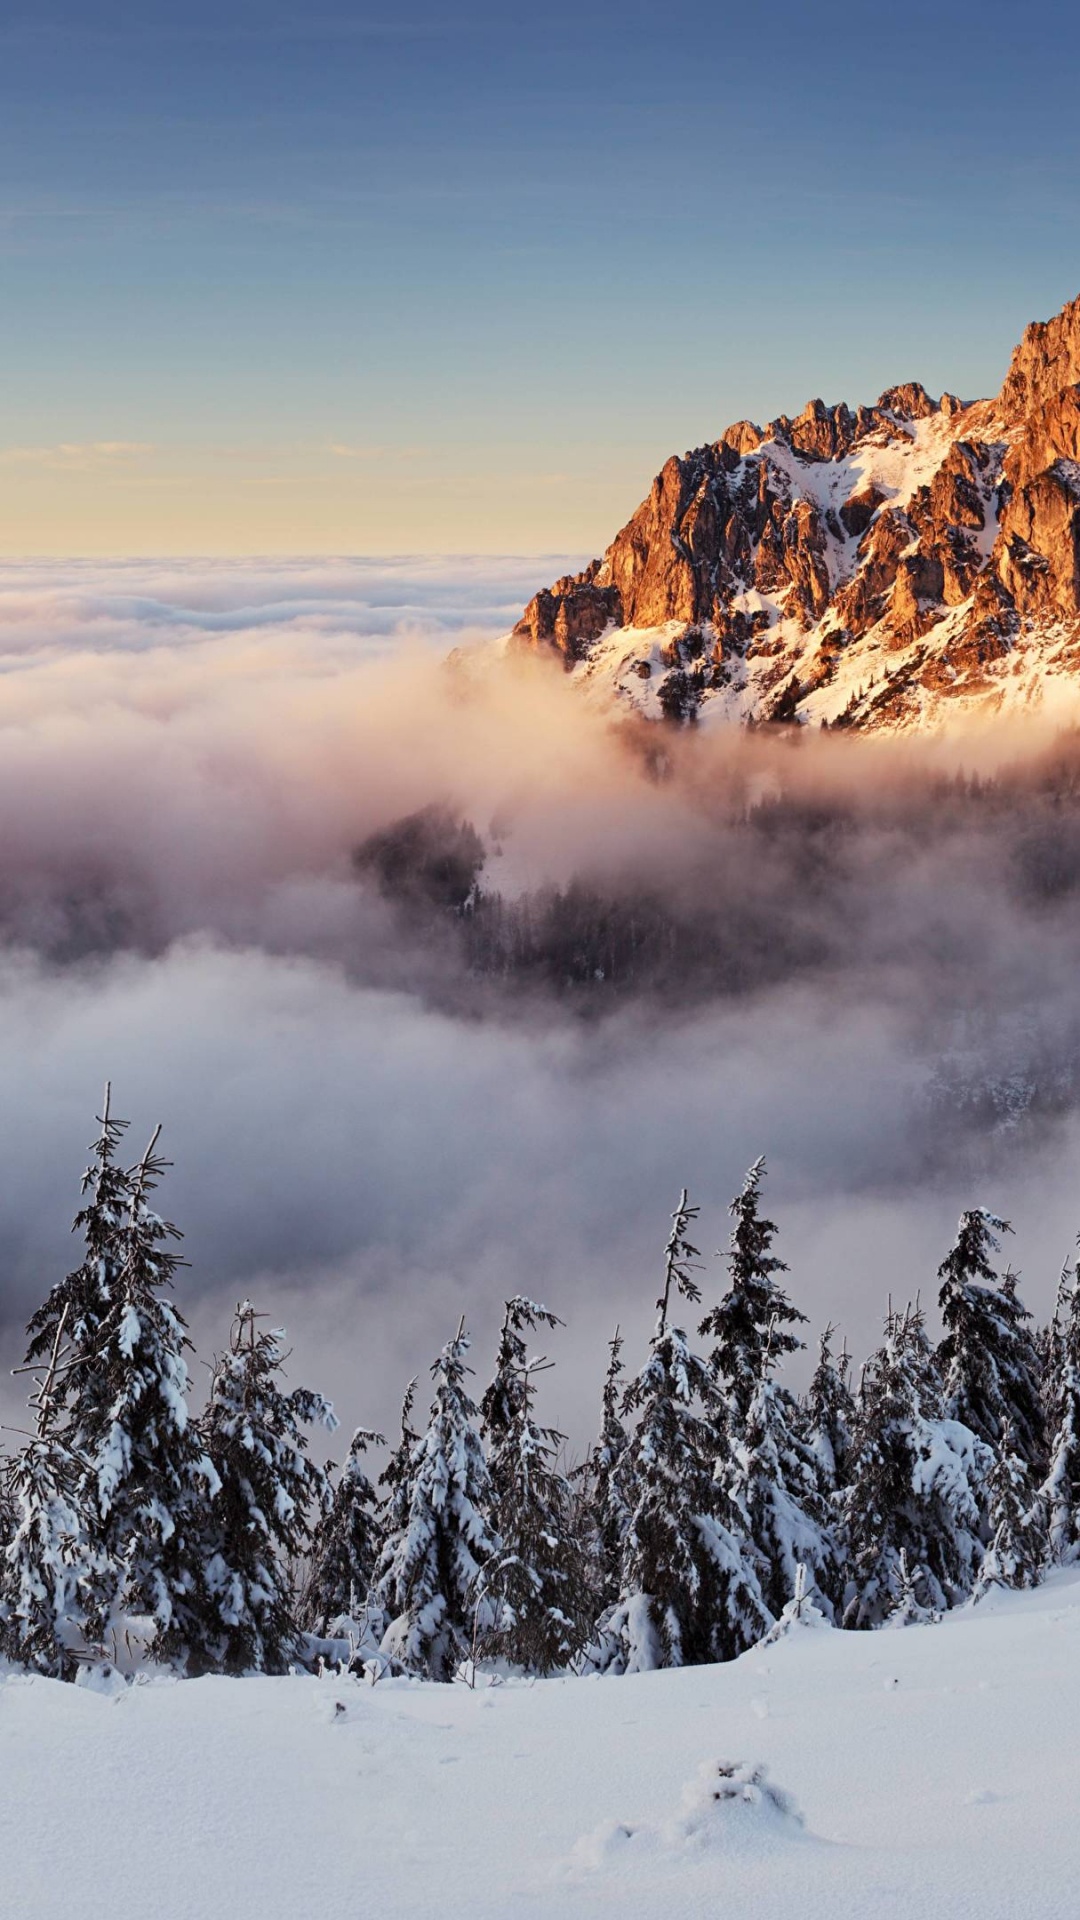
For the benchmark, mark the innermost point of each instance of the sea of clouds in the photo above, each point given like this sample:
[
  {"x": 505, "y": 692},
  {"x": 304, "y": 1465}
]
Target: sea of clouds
[{"x": 362, "y": 1141}]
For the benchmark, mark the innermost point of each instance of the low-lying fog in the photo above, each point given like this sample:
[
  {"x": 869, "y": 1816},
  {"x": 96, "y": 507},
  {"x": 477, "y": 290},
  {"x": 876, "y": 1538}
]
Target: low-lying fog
[{"x": 855, "y": 963}]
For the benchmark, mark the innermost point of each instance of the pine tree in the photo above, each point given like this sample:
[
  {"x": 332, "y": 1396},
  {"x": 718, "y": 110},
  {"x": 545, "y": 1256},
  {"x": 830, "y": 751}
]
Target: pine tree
[
  {"x": 830, "y": 1415},
  {"x": 771, "y": 1472},
  {"x": 501, "y": 1403},
  {"x": 1061, "y": 1488},
  {"x": 916, "y": 1484},
  {"x": 395, "y": 1476},
  {"x": 261, "y": 1516},
  {"x": 988, "y": 1356},
  {"x": 426, "y": 1580},
  {"x": 79, "y": 1306},
  {"x": 750, "y": 1321},
  {"x": 909, "y": 1609},
  {"x": 534, "y": 1584},
  {"x": 346, "y": 1545},
  {"x": 609, "y": 1495},
  {"x": 777, "y": 1483},
  {"x": 148, "y": 1477},
  {"x": 1016, "y": 1554},
  {"x": 688, "y": 1588},
  {"x": 800, "y": 1611},
  {"x": 46, "y": 1557}
]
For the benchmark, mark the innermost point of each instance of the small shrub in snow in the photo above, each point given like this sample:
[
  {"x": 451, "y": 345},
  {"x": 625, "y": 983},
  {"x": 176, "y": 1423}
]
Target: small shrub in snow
[
  {"x": 723, "y": 1784},
  {"x": 801, "y": 1611}
]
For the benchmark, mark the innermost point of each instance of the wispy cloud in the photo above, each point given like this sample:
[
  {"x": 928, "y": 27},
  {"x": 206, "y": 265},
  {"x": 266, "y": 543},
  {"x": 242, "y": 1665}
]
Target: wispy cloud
[
  {"x": 345, "y": 450},
  {"x": 77, "y": 456}
]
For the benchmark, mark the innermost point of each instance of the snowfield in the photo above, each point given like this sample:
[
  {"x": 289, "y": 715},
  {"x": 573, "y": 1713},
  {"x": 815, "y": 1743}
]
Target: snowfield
[{"x": 936, "y": 1770}]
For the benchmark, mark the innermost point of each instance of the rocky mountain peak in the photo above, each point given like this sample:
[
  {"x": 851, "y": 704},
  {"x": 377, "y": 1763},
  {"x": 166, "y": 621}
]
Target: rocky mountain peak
[
  {"x": 1046, "y": 361},
  {"x": 872, "y": 567}
]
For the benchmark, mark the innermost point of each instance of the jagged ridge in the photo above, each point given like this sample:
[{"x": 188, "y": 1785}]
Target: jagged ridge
[{"x": 867, "y": 568}]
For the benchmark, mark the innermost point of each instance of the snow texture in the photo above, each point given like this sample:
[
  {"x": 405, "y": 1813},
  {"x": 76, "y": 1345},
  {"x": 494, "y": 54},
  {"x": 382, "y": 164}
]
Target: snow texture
[{"x": 936, "y": 1772}]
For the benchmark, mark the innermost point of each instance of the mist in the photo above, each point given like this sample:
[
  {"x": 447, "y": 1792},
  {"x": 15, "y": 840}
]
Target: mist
[{"x": 871, "y": 977}]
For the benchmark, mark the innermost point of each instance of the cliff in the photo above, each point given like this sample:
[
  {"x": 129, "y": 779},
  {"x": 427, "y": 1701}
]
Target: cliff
[{"x": 870, "y": 568}]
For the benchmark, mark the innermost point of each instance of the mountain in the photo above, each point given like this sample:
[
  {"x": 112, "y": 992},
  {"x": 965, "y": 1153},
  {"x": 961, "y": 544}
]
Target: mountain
[{"x": 880, "y": 569}]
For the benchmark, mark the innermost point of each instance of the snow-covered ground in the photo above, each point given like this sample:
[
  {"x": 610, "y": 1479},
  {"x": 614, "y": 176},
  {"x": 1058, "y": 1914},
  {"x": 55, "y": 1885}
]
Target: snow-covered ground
[{"x": 937, "y": 1771}]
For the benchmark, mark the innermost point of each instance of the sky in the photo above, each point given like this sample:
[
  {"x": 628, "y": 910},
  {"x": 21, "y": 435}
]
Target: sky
[{"x": 458, "y": 278}]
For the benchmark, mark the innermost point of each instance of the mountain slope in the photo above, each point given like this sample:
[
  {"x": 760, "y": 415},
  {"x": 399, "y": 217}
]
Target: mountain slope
[
  {"x": 882, "y": 568},
  {"x": 936, "y": 1769}
]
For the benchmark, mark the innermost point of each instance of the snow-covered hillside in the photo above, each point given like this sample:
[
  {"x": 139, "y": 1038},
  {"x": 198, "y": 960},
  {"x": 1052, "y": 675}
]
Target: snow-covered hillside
[{"x": 936, "y": 1770}]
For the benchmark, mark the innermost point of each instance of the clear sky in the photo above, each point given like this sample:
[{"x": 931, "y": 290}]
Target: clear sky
[{"x": 415, "y": 275}]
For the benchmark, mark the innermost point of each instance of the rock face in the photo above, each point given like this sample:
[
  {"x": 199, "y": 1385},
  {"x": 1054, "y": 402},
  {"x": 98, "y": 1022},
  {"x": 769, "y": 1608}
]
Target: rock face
[{"x": 873, "y": 568}]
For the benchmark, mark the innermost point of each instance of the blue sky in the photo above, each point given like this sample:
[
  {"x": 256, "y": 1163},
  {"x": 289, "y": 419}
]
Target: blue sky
[{"x": 378, "y": 278}]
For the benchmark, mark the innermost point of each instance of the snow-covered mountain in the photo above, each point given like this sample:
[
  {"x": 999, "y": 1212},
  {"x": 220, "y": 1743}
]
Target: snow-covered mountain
[{"x": 887, "y": 568}]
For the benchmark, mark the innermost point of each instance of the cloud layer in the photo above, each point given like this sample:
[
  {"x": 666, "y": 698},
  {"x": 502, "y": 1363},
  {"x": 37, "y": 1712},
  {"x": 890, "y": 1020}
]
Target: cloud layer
[{"x": 372, "y": 1142}]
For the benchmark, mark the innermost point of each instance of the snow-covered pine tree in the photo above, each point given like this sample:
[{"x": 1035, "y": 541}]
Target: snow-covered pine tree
[
  {"x": 395, "y": 1476},
  {"x": 916, "y": 1484},
  {"x": 829, "y": 1415},
  {"x": 609, "y": 1498},
  {"x": 754, "y": 1314},
  {"x": 768, "y": 1468},
  {"x": 1017, "y": 1550},
  {"x": 1061, "y": 1488},
  {"x": 501, "y": 1402},
  {"x": 426, "y": 1581},
  {"x": 988, "y": 1357},
  {"x": 46, "y": 1561},
  {"x": 688, "y": 1584},
  {"x": 910, "y": 1610},
  {"x": 46, "y": 1557},
  {"x": 346, "y": 1545},
  {"x": 775, "y": 1479},
  {"x": 148, "y": 1477},
  {"x": 534, "y": 1585},
  {"x": 261, "y": 1516},
  {"x": 78, "y": 1307}
]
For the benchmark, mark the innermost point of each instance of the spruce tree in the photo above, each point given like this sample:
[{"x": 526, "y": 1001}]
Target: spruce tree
[
  {"x": 79, "y": 1306},
  {"x": 502, "y": 1400},
  {"x": 752, "y": 1318},
  {"x": 769, "y": 1469},
  {"x": 916, "y": 1484},
  {"x": 395, "y": 1475},
  {"x": 426, "y": 1581},
  {"x": 988, "y": 1357},
  {"x": 688, "y": 1587},
  {"x": 829, "y": 1415},
  {"x": 46, "y": 1557},
  {"x": 147, "y": 1477},
  {"x": 1061, "y": 1487},
  {"x": 346, "y": 1545},
  {"x": 910, "y": 1608},
  {"x": 534, "y": 1584},
  {"x": 609, "y": 1495},
  {"x": 775, "y": 1478},
  {"x": 47, "y": 1561},
  {"x": 261, "y": 1516},
  {"x": 1017, "y": 1550}
]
